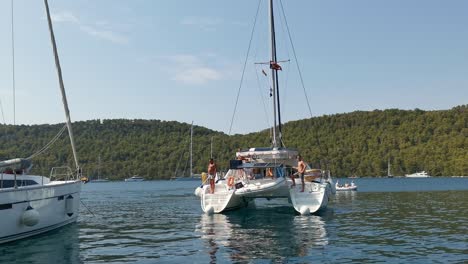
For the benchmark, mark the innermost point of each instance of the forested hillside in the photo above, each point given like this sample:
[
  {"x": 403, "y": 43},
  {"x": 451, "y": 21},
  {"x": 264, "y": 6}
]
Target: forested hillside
[{"x": 358, "y": 143}]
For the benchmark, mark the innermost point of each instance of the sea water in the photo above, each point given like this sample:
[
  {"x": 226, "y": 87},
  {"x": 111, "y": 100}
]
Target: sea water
[{"x": 395, "y": 220}]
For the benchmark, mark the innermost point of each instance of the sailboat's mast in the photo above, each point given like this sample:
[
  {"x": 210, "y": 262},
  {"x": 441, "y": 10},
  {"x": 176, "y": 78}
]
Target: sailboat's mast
[
  {"x": 388, "y": 168},
  {"x": 191, "y": 149},
  {"x": 62, "y": 88},
  {"x": 274, "y": 77}
]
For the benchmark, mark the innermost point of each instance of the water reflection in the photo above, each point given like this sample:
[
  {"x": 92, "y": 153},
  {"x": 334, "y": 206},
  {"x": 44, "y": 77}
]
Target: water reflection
[
  {"x": 273, "y": 234},
  {"x": 342, "y": 196},
  {"x": 59, "y": 246}
]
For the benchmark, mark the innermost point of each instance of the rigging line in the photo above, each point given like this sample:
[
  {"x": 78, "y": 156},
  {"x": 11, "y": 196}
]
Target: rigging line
[
  {"x": 295, "y": 58},
  {"x": 13, "y": 62},
  {"x": 47, "y": 146},
  {"x": 245, "y": 65},
  {"x": 263, "y": 99}
]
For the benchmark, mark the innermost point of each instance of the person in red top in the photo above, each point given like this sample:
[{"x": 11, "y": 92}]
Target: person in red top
[
  {"x": 212, "y": 174},
  {"x": 301, "y": 167}
]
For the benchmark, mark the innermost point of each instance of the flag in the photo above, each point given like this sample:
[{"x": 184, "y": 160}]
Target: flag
[
  {"x": 275, "y": 66},
  {"x": 264, "y": 73}
]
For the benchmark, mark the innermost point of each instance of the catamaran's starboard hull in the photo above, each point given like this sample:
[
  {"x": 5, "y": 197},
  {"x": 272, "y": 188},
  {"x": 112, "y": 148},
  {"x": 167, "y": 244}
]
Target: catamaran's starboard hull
[
  {"x": 314, "y": 198},
  {"x": 32, "y": 210}
]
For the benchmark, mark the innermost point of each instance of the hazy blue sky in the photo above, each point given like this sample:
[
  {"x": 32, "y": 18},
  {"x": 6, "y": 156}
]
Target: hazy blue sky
[{"x": 182, "y": 59}]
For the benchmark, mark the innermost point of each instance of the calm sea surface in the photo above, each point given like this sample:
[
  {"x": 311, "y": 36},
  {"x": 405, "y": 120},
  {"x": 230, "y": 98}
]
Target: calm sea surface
[{"x": 388, "y": 220}]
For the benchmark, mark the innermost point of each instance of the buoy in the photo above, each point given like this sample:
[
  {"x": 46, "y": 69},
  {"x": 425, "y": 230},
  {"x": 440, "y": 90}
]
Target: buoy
[
  {"x": 69, "y": 205},
  {"x": 198, "y": 191},
  {"x": 209, "y": 210},
  {"x": 304, "y": 210},
  {"x": 30, "y": 217}
]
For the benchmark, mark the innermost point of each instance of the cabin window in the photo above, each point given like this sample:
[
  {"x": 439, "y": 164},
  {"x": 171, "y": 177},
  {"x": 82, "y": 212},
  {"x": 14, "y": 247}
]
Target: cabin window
[
  {"x": 60, "y": 198},
  {"x": 19, "y": 183},
  {"x": 5, "y": 206}
]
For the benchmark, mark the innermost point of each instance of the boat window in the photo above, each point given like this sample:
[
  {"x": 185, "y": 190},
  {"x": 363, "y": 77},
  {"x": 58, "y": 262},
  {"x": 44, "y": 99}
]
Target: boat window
[
  {"x": 5, "y": 206},
  {"x": 60, "y": 197},
  {"x": 19, "y": 183}
]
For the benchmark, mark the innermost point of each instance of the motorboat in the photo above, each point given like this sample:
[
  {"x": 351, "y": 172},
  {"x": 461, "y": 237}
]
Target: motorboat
[
  {"x": 421, "y": 174},
  {"x": 135, "y": 179},
  {"x": 33, "y": 204},
  {"x": 346, "y": 186}
]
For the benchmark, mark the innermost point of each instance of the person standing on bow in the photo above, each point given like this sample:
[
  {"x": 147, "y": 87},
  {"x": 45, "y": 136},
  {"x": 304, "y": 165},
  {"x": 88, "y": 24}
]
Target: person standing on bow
[
  {"x": 301, "y": 167},
  {"x": 212, "y": 174}
]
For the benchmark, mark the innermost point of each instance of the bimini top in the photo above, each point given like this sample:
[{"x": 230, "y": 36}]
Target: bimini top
[
  {"x": 239, "y": 165},
  {"x": 269, "y": 155},
  {"x": 18, "y": 165}
]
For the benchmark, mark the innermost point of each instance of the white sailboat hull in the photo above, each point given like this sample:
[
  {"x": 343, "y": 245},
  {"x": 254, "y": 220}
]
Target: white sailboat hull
[{"x": 32, "y": 210}]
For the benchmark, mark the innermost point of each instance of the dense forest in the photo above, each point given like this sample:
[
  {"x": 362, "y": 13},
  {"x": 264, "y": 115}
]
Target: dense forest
[{"x": 357, "y": 143}]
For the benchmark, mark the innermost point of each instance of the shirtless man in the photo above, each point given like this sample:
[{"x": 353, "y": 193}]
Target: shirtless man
[
  {"x": 212, "y": 175},
  {"x": 301, "y": 167}
]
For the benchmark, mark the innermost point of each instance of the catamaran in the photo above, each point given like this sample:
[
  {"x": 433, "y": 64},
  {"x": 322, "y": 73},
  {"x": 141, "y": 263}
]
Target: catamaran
[
  {"x": 32, "y": 204},
  {"x": 265, "y": 172}
]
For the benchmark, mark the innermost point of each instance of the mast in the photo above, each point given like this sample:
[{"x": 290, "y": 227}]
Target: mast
[
  {"x": 62, "y": 88},
  {"x": 388, "y": 168},
  {"x": 275, "y": 86},
  {"x": 191, "y": 149}
]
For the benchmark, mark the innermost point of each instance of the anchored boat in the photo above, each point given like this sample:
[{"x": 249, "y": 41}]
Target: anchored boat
[
  {"x": 31, "y": 204},
  {"x": 266, "y": 172}
]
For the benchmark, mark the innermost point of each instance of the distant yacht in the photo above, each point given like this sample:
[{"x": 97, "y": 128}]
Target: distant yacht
[
  {"x": 135, "y": 179},
  {"x": 421, "y": 174}
]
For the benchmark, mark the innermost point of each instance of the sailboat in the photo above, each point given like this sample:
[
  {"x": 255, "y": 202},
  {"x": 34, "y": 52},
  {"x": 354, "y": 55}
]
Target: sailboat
[
  {"x": 99, "y": 172},
  {"x": 33, "y": 204},
  {"x": 191, "y": 176},
  {"x": 264, "y": 172},
  {"x": 389, "y": 173}
]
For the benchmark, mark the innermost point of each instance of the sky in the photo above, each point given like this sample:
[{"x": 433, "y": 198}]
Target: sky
[{"x": 183, "y": 60}]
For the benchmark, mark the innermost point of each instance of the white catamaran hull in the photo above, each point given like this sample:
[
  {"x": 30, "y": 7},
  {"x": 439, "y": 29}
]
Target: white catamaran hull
[
  {"x": 315, "y": 197},
  {"x": 31, "y": 210},
  {"x": 222, "y": 200}
]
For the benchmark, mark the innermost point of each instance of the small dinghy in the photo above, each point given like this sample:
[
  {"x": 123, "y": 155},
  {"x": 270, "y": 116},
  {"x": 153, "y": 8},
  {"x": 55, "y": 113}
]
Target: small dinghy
[{"x": 346, "y": 187}]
